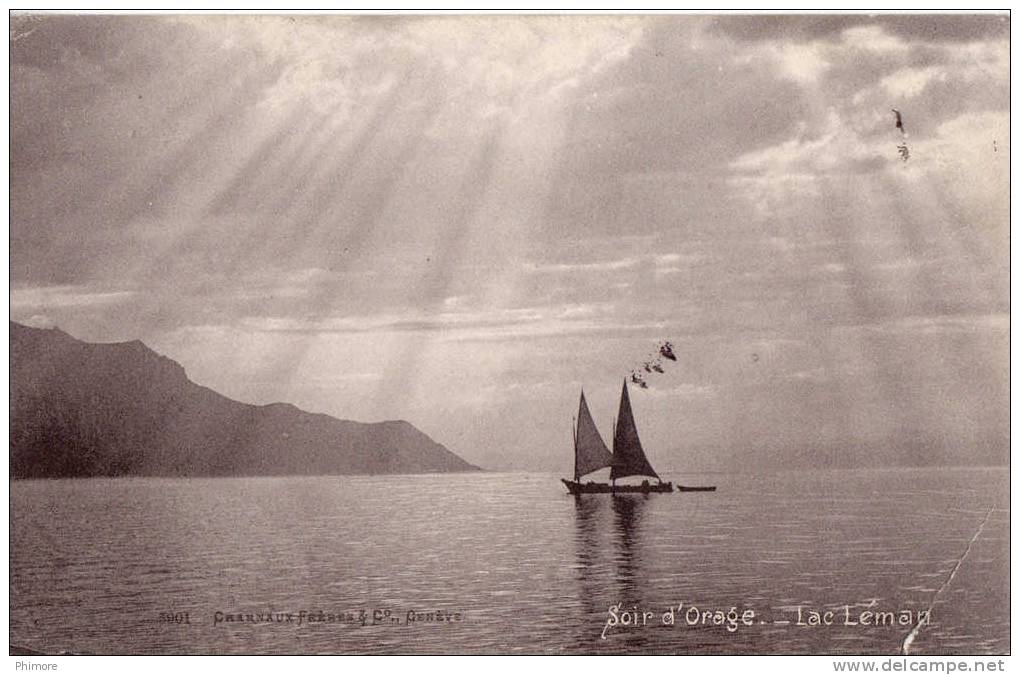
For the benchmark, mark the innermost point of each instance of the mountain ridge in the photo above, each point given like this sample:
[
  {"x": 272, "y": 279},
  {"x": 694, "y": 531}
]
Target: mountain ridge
[{"x": 111, "y": 409}]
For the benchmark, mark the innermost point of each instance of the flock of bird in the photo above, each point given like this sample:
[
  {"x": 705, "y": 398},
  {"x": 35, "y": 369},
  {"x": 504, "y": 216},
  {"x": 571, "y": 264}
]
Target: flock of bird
[
  {"x": 653, "y": 364},
  {"x": 665, "y": 349}
]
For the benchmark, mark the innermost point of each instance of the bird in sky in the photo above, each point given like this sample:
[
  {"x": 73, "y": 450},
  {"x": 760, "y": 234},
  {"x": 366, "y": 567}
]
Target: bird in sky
[
  {"x": 653, "y": 364},
  {"x": 899, "y": 121},
  {"x": 666, "y": 350}
]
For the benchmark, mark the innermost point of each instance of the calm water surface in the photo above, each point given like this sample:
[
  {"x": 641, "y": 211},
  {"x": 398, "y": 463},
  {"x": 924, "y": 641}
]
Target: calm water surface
[{"x": 528, "y": 568}]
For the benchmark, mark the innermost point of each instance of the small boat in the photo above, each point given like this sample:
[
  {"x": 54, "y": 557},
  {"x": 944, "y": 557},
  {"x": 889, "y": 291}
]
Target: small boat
[
  {"x": 626, "y": 459},
  {"x": 695, "y": 488}
]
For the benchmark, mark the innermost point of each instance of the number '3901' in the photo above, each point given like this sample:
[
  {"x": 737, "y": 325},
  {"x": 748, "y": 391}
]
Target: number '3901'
[{"x": 174, "y": 617}]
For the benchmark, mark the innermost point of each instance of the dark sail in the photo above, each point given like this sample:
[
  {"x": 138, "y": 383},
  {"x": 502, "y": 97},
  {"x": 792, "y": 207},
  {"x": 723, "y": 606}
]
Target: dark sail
[
  {"x": 590, "y": 451},
  {"x": 628, "y": 456}
]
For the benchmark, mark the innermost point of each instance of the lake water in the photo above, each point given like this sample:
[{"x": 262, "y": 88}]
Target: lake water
[{"x": 513, "y": 562}]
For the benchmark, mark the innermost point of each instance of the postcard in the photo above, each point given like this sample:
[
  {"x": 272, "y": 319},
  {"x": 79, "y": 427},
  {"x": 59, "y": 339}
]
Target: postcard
[{"x": 504, "y": 333}]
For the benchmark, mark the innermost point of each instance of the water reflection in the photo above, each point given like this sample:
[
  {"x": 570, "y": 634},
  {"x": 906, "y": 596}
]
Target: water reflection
[
  {"x": 609, "y": 554},
  {"x": 587, "y": 518},
  {"x": 543, "y": 572},
  {"x": 628, "y": 550},
  {"x": 627, "y": 512},
  {"x": 590, "y": 565}
]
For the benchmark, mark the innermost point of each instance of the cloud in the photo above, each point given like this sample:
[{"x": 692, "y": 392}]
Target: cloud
[
  {"x": 836, "y": 148},
  {"x": 940, "y": 324},
  {"x": 485, "y": 324},
  {"x": 484, "y": 64},
  {"x": 910, "y": 82},
  {"x": 931, "y": 83},
  {"x": 60, "y": 297},
  {"x": 451, "y": 211},
  {"x": 684, "y": 391},
  {"x": 875, "y": 39},
  {"x": 803, "y": 63},
  {"x": 831, "y": 268},
  {"x": 38, "y": 321},
  {"x": 600, "y": 266},
  {"x": 937, "y": 28}
]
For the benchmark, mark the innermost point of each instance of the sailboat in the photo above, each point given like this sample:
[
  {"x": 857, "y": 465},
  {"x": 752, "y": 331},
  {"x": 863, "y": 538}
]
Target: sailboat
[{"x": 626, "y": 459}]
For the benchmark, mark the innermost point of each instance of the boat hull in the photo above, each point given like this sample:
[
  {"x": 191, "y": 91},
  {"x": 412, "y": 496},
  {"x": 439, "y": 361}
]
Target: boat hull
[
  {"x": 576, "y": 488},
  {"x": 695, "y": 488}
]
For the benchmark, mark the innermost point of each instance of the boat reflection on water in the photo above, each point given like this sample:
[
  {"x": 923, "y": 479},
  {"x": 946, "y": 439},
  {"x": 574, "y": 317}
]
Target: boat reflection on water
[
  {"x": 609, "y": 556},
  {"x": 592, "y": 567},
  {"x": 627, "y": 512}
]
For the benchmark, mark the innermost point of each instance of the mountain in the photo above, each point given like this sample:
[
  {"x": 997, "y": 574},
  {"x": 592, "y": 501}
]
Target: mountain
[{"x": 83, "y": 409}]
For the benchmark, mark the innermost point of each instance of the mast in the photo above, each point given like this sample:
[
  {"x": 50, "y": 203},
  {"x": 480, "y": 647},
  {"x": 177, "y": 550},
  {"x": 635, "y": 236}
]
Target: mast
[
  {"x": 611, "y": 476},
  {"x": 573, "y": 430}
]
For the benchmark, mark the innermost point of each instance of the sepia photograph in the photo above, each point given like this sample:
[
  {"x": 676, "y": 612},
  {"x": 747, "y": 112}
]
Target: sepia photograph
[{"x": 453, "y": 333}]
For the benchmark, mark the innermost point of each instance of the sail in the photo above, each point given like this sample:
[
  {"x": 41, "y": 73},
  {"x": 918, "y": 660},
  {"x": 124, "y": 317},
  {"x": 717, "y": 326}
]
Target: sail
[
  {"x": 590, "y": 451},
  {"x": 628, "y": 456}
]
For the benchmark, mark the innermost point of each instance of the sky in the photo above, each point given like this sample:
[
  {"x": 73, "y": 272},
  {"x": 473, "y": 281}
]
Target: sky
[{"x": 462, "y": 221}]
